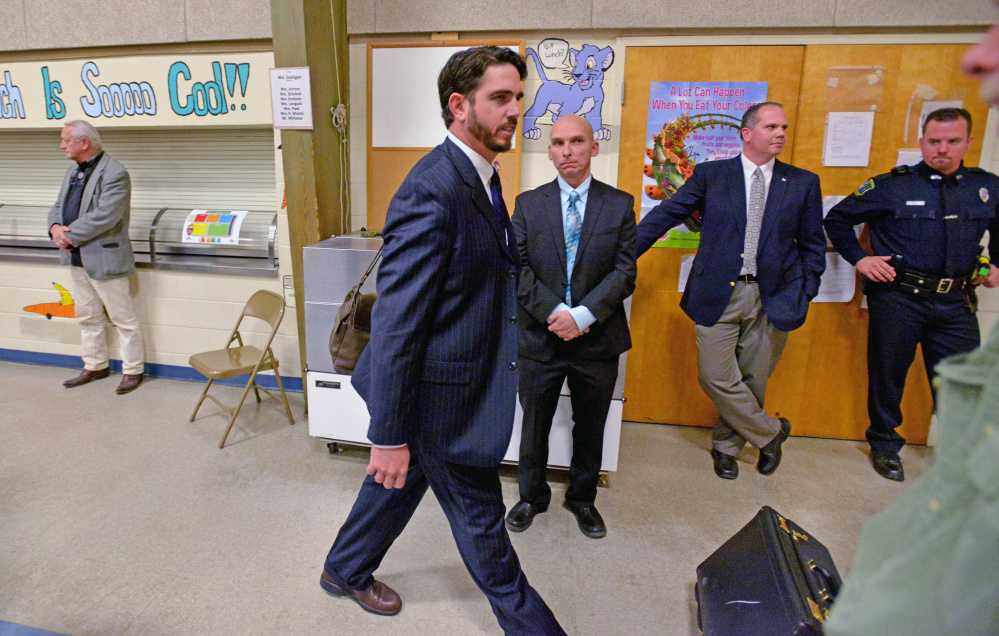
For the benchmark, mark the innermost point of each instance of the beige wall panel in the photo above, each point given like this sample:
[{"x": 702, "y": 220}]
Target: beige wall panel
[
  {"x": 228, "y": 19},
  {"x": 109, "y": 23},
  {"x": 360, "y": 16},
  {"x": 392, "y": 16},
  {"x": 12, "y": 34},
  {"x": 895, "y": 13},
  {"x": 388, "y": 167},
  {"x": 699, "y": 14}
]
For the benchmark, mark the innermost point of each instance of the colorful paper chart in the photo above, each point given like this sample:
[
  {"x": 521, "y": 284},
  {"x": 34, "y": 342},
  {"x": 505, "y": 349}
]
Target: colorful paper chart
[{"x": 213, "y": 226}]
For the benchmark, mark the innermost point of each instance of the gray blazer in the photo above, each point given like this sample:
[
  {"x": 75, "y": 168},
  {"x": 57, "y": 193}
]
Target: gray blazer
[{"x": 101, "y": 231}]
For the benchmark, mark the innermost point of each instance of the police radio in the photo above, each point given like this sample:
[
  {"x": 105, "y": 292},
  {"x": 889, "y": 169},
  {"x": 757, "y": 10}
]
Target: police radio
[{"x": 984, "y": 265}]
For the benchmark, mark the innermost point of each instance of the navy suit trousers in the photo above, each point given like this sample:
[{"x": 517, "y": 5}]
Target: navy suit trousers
[{"x": 473, "y": 504}]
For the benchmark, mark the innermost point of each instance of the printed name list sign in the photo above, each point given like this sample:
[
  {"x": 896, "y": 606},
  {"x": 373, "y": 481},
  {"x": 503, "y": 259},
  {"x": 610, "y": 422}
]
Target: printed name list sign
[{"x": 291, "y": 98}]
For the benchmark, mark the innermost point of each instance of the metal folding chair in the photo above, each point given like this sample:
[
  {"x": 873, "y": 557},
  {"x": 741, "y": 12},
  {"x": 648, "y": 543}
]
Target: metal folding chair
[{"x": 233, "y": 361}]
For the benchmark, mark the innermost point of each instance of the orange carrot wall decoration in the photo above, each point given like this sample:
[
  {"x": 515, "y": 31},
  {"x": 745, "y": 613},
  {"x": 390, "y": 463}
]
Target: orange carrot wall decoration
[{"x": 65, "y": 308}]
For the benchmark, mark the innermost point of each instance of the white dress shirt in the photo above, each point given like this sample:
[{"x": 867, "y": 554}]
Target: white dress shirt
[{"x": 748, "y": 168}]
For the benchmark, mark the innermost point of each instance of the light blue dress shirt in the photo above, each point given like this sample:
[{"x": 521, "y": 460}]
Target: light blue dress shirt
[{"x": 583, "y": 316}]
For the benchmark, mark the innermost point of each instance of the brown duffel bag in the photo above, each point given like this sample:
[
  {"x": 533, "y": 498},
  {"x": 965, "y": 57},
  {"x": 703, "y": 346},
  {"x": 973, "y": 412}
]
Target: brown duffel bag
[{"x": 352, "y": 326}]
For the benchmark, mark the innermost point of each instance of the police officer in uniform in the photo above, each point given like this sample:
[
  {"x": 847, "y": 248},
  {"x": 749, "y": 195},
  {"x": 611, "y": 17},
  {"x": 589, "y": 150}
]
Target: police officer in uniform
[{"x": 926, "y": 222}]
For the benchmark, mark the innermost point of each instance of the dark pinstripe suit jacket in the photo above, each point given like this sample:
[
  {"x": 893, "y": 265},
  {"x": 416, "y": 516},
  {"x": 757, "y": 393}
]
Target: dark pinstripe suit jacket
[{"x": 439, "y": 373}]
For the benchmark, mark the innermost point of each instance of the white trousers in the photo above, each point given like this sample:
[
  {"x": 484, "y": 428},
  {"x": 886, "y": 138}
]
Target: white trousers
[{"x": 92, "y": 297}]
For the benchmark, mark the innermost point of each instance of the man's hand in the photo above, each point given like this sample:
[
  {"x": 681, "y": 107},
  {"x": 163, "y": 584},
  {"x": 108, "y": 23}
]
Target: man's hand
[
  {"x": 59, "y": 236},
  {"x": 389, "y": 466},
  {"x": 876, "y": 268},
  {"x": 992, "y": 280},
  {"x": 564, "y": 325}
]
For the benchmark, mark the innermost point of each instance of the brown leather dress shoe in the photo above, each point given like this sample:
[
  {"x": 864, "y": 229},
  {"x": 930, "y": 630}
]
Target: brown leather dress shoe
[
  {"x": 86, "y": 377},
  {"x": 129, "y": 382},
  {"x": 770, "y": 455},
  {"x": 378, "y": 598}
]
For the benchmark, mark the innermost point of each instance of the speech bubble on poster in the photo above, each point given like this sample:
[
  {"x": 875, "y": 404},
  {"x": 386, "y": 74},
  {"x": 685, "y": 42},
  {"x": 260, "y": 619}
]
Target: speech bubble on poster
[{"x": 552, "y": 52}]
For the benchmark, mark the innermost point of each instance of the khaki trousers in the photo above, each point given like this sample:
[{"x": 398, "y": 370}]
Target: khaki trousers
[
  {"x": 92, "y": 297},
  {"x": 735, "y": 358}
]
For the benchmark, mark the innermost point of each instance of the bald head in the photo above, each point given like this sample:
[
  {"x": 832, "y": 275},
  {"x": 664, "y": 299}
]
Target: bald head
[{"x": 571, "y": 147}]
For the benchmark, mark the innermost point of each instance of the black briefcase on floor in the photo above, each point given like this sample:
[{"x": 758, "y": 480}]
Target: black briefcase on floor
[{"x": 770, "y": 579}]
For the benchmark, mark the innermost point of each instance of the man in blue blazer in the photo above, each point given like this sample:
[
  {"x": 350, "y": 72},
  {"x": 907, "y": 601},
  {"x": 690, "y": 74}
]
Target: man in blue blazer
[
  {"x": 761, "y": 255},
  {"x": 440, "y": 373}
]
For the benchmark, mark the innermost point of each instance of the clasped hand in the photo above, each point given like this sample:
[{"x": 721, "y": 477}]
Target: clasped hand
[
  {"x": 563, "y": 325},
  {"x": 59, "y": 237}
]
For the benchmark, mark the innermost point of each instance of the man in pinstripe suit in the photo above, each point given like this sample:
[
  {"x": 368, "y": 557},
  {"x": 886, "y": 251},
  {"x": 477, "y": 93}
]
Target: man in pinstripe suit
[{"x": 439, "y": 376}]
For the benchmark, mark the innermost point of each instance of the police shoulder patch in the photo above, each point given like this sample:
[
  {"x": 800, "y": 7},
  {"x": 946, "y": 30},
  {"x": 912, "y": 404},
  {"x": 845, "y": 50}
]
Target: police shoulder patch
[{"x": 868, "y": 185}]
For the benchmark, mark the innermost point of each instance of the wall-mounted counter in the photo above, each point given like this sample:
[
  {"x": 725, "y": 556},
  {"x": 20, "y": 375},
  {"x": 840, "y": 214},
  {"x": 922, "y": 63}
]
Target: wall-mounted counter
[{"x": 211, "y": 241}]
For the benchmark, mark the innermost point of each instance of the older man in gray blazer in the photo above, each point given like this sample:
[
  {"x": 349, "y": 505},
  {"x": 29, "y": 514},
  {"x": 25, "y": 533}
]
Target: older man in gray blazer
[{"x": 89, "y": 223}]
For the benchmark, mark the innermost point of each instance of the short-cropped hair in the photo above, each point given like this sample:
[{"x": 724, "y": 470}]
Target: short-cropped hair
[
  {"x": 948, "y": 114},
  {"x": 752, "y": 115},
  {"x": 84, "y": 130}
]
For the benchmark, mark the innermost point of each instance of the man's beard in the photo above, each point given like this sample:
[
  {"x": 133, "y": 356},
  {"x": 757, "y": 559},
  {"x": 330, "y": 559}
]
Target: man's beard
[{"x": 487, "y": 137}]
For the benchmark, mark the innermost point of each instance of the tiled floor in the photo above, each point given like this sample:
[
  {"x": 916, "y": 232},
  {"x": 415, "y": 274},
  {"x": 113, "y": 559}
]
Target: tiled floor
[{"x": 118, "y": 516}]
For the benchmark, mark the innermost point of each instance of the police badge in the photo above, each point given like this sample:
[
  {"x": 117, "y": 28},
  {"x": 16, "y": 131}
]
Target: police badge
[{"x": 984, "y": 193}]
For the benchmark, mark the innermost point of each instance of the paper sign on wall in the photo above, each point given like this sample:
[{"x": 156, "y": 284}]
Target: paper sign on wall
[
  {"x": 291, "y": 98},
  {"x": 213, "y": 226},
  {"x": 848, "y": 138}
]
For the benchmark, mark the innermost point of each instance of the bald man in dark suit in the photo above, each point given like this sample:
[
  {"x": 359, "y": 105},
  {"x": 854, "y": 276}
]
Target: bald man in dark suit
[{"x": 576, "y": 237}]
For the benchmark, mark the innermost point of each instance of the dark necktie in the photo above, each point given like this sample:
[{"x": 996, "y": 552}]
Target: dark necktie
[
  {"x": 499, "y": 207},
  {"x": 953, "y": 266}
]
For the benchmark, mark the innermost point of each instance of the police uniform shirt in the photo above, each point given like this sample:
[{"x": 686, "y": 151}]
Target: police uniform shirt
[{"x": 933, "y": 220}]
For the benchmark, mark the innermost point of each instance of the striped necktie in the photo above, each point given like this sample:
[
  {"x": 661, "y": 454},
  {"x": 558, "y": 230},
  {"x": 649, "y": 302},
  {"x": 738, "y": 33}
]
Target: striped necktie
[{"x": 573, "y": 226}]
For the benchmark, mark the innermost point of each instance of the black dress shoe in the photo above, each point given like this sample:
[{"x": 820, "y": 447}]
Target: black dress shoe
[
  {"x": 770, "y": 455},
  {"x": 888, "y": 465},
  {"x": 378, "y": 598},
  {"x": 86, "y": 377},
  {"x": 589, "y": 520},
  {"x": 725, "y": 466},
  {"x": 522, "y": 514}
]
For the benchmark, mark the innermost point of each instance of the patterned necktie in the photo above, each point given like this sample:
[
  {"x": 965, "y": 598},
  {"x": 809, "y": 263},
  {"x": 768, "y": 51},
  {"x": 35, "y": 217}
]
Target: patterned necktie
[
  {"x": 573, "y": 226},
  {"x": 499, "y": 206},
  {"x": 754, "y": 219}
]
